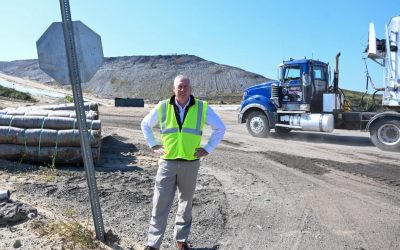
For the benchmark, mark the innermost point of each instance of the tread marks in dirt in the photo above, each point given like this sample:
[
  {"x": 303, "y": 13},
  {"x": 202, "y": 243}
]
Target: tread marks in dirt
[
  {"x": 383, "y": 172},
  {"x": 386, "y": 173},
  {"x": 306, "y": 165}
]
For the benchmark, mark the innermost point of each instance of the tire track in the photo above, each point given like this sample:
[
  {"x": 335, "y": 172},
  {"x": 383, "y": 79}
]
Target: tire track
[{"x": 386, "y": 173}]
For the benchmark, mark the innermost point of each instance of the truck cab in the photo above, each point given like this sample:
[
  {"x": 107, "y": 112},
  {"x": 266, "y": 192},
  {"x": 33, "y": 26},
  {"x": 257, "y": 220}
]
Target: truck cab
[
  {"x": 302, "y": 83},
  {"x": 298, "y": 92}
]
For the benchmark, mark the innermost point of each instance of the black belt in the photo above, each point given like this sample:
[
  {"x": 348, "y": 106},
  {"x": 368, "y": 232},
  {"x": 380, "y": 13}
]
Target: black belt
[{"x": 180, "y": 159}]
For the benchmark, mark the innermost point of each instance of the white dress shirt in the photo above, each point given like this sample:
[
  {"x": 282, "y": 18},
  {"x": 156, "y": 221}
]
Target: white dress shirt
[{"x": 212, "y": 119}]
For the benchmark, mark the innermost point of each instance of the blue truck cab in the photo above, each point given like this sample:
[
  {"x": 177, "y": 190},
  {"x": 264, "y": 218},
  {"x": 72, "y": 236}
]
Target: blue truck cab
[{"x": 299, "y": 90}]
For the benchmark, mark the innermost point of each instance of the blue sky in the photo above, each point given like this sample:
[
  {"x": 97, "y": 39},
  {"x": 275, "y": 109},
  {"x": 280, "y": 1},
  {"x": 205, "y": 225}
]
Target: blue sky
[{"x": 254, "y": 35}]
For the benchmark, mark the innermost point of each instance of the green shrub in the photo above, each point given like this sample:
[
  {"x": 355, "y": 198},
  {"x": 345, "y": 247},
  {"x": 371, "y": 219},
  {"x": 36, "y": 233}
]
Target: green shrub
[{"x": 12, "y": 93}]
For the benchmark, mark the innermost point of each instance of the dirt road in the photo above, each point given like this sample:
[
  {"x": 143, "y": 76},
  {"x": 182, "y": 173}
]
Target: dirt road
[{"x": 314, "y": 191}]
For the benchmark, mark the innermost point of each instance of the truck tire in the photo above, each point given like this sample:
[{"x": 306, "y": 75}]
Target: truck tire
[
  {"x": 282, "y": 131},
  {"x": 385, "y": 134},
  {"x": 257, "y": 124}
]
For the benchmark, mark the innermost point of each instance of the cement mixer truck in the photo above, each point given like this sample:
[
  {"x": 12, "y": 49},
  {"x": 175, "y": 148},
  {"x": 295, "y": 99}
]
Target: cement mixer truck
[{"x": 303, "y": 99}]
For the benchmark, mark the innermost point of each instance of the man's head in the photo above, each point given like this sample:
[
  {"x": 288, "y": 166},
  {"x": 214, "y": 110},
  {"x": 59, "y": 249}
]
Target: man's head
[{"x": 182, "y": 89}]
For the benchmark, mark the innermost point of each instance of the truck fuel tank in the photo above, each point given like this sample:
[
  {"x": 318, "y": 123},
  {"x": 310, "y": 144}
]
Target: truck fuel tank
[{"x": 307, "y": 122}]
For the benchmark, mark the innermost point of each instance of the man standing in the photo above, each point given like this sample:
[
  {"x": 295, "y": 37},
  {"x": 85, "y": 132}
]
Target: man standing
[{"x": 181, "y": 119}]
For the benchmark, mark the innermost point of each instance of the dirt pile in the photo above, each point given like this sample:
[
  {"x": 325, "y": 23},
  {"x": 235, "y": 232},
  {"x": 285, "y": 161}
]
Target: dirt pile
[{"x": 150, "y": 77}]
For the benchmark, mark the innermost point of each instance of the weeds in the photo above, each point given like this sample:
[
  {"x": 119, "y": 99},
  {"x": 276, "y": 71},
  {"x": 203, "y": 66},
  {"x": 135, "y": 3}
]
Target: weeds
[
  {"x": 50, "y": 172},
  {"x": 72, "y": 234},
  {"x": 21, "y": 160},
  {"x": 69, "y": 98},
  {"x": 19, "y": 165}
]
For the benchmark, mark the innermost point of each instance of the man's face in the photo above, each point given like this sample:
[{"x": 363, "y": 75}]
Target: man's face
[{"x": 182, "y": 89}]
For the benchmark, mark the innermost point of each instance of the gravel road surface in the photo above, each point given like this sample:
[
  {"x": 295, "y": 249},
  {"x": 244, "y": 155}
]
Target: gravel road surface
[{"x": 306, "y": 191}]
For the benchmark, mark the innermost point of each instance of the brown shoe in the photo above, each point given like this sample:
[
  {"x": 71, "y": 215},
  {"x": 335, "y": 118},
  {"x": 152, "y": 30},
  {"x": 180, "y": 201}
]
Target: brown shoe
[
  {"x": 182, "y": 245},
  {"x": 150, "y": 248}
]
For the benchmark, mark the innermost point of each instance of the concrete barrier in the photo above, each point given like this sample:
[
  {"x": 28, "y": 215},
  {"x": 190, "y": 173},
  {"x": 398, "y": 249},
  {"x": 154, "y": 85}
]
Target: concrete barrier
[{"x": 129, "y": 102}]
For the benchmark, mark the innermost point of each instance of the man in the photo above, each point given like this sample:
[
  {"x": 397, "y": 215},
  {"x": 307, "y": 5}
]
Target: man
[{"x": 181, "y": 119}]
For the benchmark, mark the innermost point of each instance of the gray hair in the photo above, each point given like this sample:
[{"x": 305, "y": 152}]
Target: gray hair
[{"x": 181, "y": 77}]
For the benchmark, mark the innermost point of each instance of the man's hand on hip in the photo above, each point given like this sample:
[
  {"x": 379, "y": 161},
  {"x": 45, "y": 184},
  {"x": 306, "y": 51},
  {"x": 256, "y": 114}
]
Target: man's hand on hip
[
  {"x": 158, "y": 149},
  {"x": 200, "y": 152}
]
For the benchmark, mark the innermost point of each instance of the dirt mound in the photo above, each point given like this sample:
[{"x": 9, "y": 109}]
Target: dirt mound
[{"x": 150, "y": 77}]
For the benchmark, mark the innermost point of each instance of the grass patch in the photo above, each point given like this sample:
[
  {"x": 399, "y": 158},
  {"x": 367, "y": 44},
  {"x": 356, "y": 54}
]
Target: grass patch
[
  {"x": 72, "y": 233},
  {"x": 12, "y": 93},
  {"x": 49, "y": 171},
  {"x": 69, "y": 98},
  {"x": 49, "y": 174}
]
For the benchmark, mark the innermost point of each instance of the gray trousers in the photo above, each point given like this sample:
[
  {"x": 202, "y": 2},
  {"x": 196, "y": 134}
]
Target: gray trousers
[{"x": 171, "y": 176}]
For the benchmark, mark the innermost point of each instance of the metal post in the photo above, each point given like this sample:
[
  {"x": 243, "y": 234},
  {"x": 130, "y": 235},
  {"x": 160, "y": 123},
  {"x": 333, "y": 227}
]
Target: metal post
[{"x": 81, "y": 117}]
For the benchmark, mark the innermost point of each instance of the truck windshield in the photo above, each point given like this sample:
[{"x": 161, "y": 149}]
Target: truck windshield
[{"x": 292, "y": 73}]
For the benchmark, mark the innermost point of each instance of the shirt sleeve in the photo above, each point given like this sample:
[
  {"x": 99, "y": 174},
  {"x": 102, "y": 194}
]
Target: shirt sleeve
[
  {"x": 218, "y": 129},
  {"x": 148, "y": 122}
]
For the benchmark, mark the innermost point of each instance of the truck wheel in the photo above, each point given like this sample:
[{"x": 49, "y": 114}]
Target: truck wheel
[
  {"x": 282, "y": 131},
  {"x": 385, "y": 134},
  {"x": 257, "y": 124}
]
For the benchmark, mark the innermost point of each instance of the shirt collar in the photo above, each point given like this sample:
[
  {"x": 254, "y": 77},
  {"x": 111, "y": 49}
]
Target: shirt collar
[
  {"x": 186, "y": 104},
  {"x": 190, "y": 102}
]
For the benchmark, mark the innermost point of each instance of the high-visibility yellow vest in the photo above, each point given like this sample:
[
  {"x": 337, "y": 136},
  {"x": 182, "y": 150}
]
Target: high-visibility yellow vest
[{"x": 181, "y": 144}]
